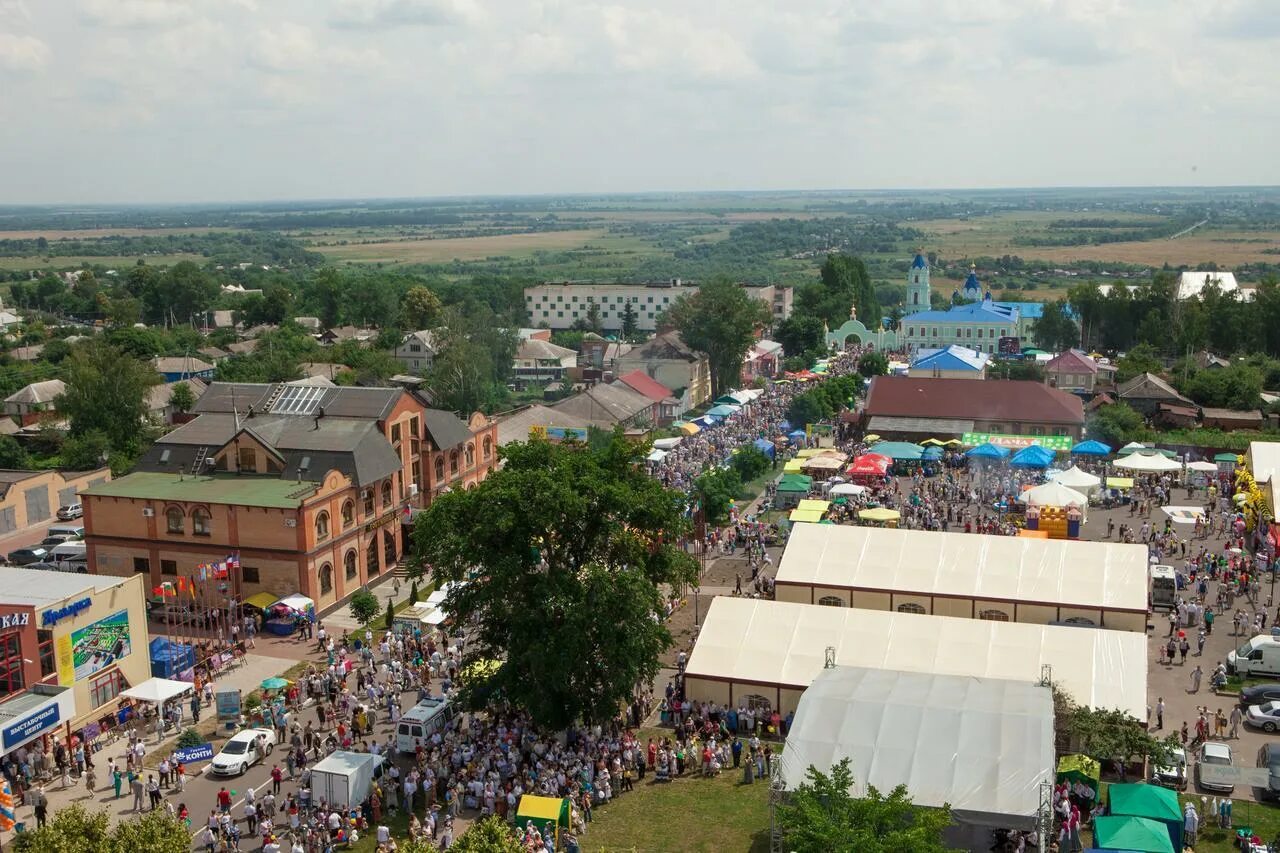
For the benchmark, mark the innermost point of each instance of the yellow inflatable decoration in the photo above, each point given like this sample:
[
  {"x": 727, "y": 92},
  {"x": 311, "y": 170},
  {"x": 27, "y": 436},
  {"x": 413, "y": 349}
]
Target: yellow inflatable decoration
[{"x": 1254, "y": 504}]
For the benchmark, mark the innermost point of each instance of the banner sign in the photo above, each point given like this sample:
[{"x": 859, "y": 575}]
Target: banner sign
[
  {"x": 1224, "y": 774},
  {"x": 203, "y": 752},
  {"x": 100, "y": 644},
  {"x": 53, "y": 617},
  {"x": 1060, "y": 443},
  {"x": 228, "y": 702},
  {"x": 550, "y": 433},
  {"x": 31, "y": 725}
]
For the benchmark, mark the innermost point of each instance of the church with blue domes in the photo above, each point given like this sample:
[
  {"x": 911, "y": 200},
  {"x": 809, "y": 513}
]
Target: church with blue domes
[{"x": 974, "y": 319}]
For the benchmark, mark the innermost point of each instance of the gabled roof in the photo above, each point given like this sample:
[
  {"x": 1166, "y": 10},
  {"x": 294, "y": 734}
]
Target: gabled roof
[
  {"x": 1071, "y": 361},
  {"x": 638, "y": 380},
  {"x": 952, "y": 357},
  {"x": 340, "y": 402},
  {"x": 973, "y": 312},
  {"x": 180, "y": 364},
  {"x": 1192, "y": 282},
  {"x": 445, "y": 429},
  {"x": 1148, "y": 386},
  {"x": 543, "y": 350},
  {"x": 158, "y": 396},
  {"x": 422, "y": 337},
  {"x": 515, "y": 426},
  {"x": 1231, "y": 414},
  {"x": 668, "y": 345},
  {"x": 605, "y": 404},
  {"x": 1030, "y": 402},
  {"x": 213, "y": 353},
  {"x": 38, "y": 393}
]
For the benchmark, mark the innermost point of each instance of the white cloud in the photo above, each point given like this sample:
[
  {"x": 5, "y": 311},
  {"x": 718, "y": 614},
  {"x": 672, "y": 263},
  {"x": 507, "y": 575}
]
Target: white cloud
[
  {"x": 380, "y": 14},
  {"x": 137, "y": 14},
  {"x": 22, "y": 53}
]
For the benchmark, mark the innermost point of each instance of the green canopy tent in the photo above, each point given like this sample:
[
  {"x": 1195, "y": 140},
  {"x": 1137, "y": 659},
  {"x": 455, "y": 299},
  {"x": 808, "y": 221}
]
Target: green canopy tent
[
  {"x": 1226, "y": 457},
  {"x": 1131, "y": 833},
  {"x": 898, "y": 451},
  {"x": 1149, "y": 801},
  {"x": 1080, "y": 770},
  {"x": 548, "y": 814}
]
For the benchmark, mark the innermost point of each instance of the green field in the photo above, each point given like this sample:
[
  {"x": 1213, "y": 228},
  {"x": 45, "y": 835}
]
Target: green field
[{"x": 73, "y": 263}]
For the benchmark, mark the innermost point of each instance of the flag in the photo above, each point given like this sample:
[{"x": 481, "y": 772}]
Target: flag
[
  {"x": 6, "y": 806},
  {"x": 219, "y": 570},
  {"x": 202, "y": 572},
  {"x": 182, "y": 584},
  {"x": 233, "y": 560}
]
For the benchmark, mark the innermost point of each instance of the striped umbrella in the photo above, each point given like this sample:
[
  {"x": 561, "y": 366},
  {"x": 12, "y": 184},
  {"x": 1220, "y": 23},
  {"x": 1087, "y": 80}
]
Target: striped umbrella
[{"x": 6, "y": 806}]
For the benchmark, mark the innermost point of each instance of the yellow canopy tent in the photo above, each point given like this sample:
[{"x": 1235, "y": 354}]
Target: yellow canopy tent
[
  {"x": 690, "y": 429},
  {"x": 262, "y": 600},
  {"x": 544, "y": 812},
  {"x": 1119, "y": 482},
  {"x": 937, "y": 441},
  {"x": 806, "y": 452},
  {"x": 871, "y": 437},
  {"x": 810, "y": 515},
  {"x": 814, "y": 504},
  {"x": 793, "y": 466},
  {"x": 880, "y": 514}
]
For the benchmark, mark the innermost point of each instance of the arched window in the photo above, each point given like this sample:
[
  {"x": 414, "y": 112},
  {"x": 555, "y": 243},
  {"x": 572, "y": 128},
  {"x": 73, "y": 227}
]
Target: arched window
[
  {"x": 349, "y": 562},
  {"x": 471, "y": 455},
  {"x": 439, "y": 468},
  {"x": 831, "y": 601},
  {"x": 368, "y": 501},
  {"x": 389, "y": 548},
  {"x": 488, "y": 448},
  {"x": 326, "y": 579},
  {"x": 453, "y": 462},
  {"x": 386, "y": 494},
  {"x": 993, "y": 615},
  {"x": 1082, "y": 621},
  {"x": 371, "y": 556},
  {"x": 348, "y": 513},
  {"x": 176, "y": 521},
  {"x": 201, "y": 522},
  {"x": 912, "y": 608},
  {"x": 322, "y": 526}
]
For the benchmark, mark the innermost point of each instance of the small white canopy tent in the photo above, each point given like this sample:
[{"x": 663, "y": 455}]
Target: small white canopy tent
[
  {"x": 666, "y": 443},
  {"x": 157, "y": 691},
  {"x": 1201, "y": 465},
  {"x": 982, "y": 745},
  {"x": 848, "y": 489},
  {"x": 1078, "y": 479},
  {"x": 1148, "y": 462},
  {"x": 1053, "y": 494}
]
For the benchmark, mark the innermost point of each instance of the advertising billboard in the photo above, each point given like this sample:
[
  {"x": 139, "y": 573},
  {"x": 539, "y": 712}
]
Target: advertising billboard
[{"x": 100, "y": 644}]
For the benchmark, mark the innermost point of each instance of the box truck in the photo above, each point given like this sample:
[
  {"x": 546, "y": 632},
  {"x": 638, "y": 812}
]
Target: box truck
[{"x": 345, "y": 779}]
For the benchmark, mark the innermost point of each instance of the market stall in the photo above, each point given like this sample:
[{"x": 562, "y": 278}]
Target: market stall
[
  {"x": 1135, "y": 834},
  {"x": 284, "y": 617},
  {"x": 1148, "y": 463},
  {"x": 1077, "y": 479},
  {"x": 1080, "y": 770},
  {"x": 548, "y": 815},
  {"x": 1151, "y": 802},
  {"x": 169, "y": 658},
  {"x": 1033, "y": 456}
]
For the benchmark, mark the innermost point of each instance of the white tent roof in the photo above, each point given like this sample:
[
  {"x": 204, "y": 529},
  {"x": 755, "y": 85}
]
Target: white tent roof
[
  {"x": 981, "y": 745},
  {"x": 666, "y": 443},
  {"x": 1008, "y": 568},
  {"x": 1053, "y": 493},
  {"x": 157, "y": 690},
  {"x": 1264, "y": 460},
  {"x": 847, "y": 489},
  {"x": 1076, "y": 478},
  {"x": 783, "y": 644},
  {"x": 1202, "y": 465},
  {"x": 1148, "y": 462}
]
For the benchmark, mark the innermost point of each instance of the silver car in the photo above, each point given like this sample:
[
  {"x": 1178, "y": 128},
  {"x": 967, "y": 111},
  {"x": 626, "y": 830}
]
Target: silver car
[{"x": 1213, "y": 753}]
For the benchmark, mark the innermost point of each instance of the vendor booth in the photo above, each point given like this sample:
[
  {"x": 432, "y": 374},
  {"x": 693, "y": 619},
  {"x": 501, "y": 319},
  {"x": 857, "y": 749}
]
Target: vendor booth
[
  {"x": 169, "y": 659},
  {"x": 547, "y": 814},
  {"x": 1077, "y": 479},
  {"x": 259, "y": 602},
  {"x": 1151, "y": 802},
  {"x": 1136, "y": 834},
  {"x": 1148, "y": 463},
  {"x": 284, "y": 617},
  {"x": 1080, "y": 770},
  {"x": 158, "y": 691}
]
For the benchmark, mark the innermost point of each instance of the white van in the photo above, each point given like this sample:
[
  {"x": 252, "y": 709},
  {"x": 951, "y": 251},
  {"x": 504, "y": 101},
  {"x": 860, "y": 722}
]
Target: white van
[
  {"x": 71, "y": 550},
  {"x": 422, "y": 721},
  {"x": 1259, "y": 656},
  {"x": 1164, "y": 588},
  {"x": 72, "y": 529}
]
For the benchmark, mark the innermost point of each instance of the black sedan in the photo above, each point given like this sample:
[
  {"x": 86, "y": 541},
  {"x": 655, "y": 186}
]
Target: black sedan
[
  {"x": 1259, "y": 694},
  {"x": 26, "y": 556}
]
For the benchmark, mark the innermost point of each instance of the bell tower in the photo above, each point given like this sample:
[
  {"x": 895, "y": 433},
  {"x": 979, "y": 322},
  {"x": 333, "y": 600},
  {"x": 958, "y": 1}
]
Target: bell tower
[{"x": 918, "y": 285}]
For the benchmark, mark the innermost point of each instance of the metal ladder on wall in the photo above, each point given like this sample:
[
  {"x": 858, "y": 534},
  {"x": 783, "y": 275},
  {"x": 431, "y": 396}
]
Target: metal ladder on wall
[{"x": 198, "y": 462}]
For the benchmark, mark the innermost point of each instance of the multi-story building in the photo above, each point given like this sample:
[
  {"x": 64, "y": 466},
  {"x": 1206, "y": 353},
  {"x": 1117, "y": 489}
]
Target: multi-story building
[
  {"x": 558, "y": 305},
  {"x": 416, "y": 352},
  {"x": 974, "y": 320},
  {"x": 538, "y": 362},
  {"x": 311, "y": 486}
]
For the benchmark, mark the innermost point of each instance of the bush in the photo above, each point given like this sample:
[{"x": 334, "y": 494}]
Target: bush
[
  {"x": 391, "y": 614},
  {"x": 364, "y": 606},
  {"x": 189, "y": 738},
  {"x": 253, "y": 702},
  {"x": 749, "y": 463}
]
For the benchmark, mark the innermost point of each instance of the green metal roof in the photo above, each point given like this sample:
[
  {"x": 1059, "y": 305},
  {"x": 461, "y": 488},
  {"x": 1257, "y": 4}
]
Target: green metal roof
[{"x": 218, "y": 489}]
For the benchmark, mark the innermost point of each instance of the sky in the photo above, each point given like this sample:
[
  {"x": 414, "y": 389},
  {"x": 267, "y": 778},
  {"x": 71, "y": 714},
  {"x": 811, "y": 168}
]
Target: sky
[{"x": 231, "y": 100}]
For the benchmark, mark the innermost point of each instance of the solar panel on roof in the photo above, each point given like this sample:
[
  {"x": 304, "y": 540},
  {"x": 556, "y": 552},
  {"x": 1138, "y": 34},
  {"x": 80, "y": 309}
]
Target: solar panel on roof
[{"x": 298, "y": 400}]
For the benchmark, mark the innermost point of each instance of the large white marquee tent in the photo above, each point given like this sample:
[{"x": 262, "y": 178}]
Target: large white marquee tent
[
  {"x": 774, "y": 650},
  {"x": 984, "y": 746}
]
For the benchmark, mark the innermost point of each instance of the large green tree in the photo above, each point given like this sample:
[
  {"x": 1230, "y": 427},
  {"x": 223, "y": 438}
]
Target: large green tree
[
  {"x": 821, "y": 816},
  {"x": 72, "y": 829},
  {"x": 419, "y": 308},
  {"x": 1117, "y": 425},
  {"x": 488, "y": 835},
  {"x": 800, "y": 334},
  {"x": 106, "y": 392},
  {"x": 565, "y": 550},
  {"x": 720, "y": 320},
  {"x": 474, "y": 357},
  {"x": 844, "y": 284},
  {"x": 1055, "y": 331}
]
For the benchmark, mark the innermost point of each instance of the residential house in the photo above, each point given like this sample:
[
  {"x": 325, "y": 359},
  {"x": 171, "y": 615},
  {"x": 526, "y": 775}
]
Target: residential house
[
  {"x": 329, "y": 337},
  {"x": 213, "y": 354},
  {"x": 8, "y": 320},
  {"x": 234, "y": 289},
  {"x": 1231, "y": 419},
  {"x": 34, "y": 402},
  {"x": 950, "y": 362},
  {"x": 523, "y": 424},
  {"x": 534, "y": 334},
  {"x": 323, "y": 370},
  {"x": 538, "y": 362},
  {"x": 28, "y": 353},
  {"x": 177, "y": 368},
  {"x": 1206, "y": 360},
  {"x": 222, "y": 319},
  {"x": 668, "y": 406},
  {"x": 1146, "y": 391},
  {"x": 1176, "y": 416},
  {"x": 912, "y": 407},
  {"x": 28, "y": 498},
  {"x": 417, "y": 351},
  {"x": 674, "y": 364},
  {"x": 763, "y": 359},
  {"x": 608, "y": 406},
  {"x": 160, "y": 398},
  {"x": 1073, "y": 370},
  {"x": 311, "y": 324}
]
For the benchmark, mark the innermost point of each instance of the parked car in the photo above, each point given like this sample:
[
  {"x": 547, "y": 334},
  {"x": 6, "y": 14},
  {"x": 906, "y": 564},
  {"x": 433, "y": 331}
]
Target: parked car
[
  {"x": 1269, "y": 757},
  {"x": 238, "y": 754},
  {"x": 51, "y": 542},
  {"x": 1259, "y": 694},
  {"x": 1174, "y": 775},
  {"x": 70, "y": 511},
  {"x": 1213, "y": 752},
  {"x": 26, "y": 556},
  {"x": 1265, "y": 716}
]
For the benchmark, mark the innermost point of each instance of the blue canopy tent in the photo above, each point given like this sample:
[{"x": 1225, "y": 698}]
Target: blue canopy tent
[
  {"x": 797, "y": 435},
  {"x": 168, "y": 658},
  {"x": 987, "y": 451},
  {"x": 1091, "y": 448},
  {"x": 1034, "y": 456},
  {"x": 706, "y": 421},
  {"x": 932, "y": 453},
  {"x": 765, "y": 446},
  {"x": 784, "y": 427},
  {"x": 898, "y": 451}
]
